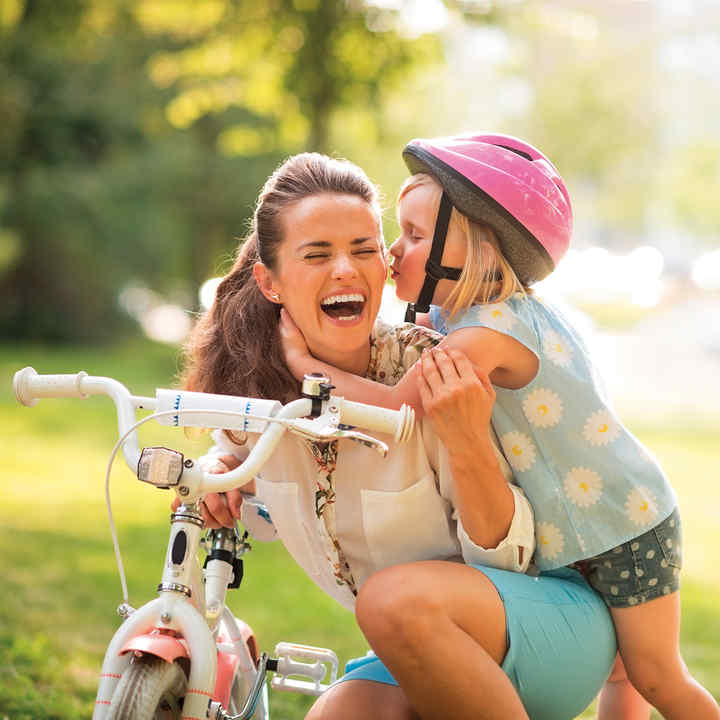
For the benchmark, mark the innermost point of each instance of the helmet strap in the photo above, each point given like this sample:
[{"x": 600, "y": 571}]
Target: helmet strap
[{"x": 434, "y": 271}]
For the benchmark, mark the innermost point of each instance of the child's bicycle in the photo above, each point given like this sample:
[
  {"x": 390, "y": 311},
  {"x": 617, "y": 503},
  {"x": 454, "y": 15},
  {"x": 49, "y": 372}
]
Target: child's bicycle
[{"x": 184, "y": 655}]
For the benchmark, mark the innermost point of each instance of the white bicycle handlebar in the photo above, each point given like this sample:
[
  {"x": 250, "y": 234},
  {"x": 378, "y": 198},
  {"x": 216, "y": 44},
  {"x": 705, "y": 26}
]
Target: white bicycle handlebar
[{"x": 182, "y": 408}]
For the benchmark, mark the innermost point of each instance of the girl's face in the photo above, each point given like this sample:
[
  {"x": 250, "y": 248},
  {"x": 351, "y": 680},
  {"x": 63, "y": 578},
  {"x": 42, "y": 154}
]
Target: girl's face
[
  {"x": 417, "y": 212},
  {"x": 330, "y": 272}
]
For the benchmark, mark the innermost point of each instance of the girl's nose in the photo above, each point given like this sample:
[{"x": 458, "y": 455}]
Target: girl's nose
[{"x": 396, "y": 248}]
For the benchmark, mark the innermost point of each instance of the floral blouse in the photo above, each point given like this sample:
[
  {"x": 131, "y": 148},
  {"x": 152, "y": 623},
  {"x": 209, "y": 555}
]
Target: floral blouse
[{"x": 393, "y": 351}]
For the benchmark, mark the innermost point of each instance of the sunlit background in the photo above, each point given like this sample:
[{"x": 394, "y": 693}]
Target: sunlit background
[
  {"x": 623, "y": 95},
  {"x": 135, "y": 136}
]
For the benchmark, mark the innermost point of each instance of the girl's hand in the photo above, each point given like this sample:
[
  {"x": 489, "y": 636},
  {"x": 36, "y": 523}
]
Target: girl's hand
[
  {"x": 458, "y": 399},
  {"x": 222, "y": 509},
  {"x": 297, "y": 356}
]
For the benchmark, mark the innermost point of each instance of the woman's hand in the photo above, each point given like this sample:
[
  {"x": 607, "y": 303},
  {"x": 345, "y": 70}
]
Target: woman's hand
[
  {"x": 222, "y": 509},
  {"x": 297, "y": 356},
  {"x": 458, "y": 398}
]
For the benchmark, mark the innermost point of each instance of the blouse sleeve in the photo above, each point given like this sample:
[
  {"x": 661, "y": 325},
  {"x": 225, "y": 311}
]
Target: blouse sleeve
[
  {"x": 515, "y": 550},
  {"x": 412, "y": 340},
  {"x": 223, "y": 446},
  {"x": 253, "y": 513}
]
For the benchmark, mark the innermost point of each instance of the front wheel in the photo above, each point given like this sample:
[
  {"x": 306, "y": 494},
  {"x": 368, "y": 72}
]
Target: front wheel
[{"x": 149, "y": 689}]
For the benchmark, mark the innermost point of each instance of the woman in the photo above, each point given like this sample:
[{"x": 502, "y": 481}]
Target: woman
[{"x": 429, "y": 545}]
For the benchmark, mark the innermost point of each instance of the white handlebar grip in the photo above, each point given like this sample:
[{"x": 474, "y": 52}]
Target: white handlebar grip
[
  {"x": 29, "y": 386},
  {"x": 398, "y": 423}
]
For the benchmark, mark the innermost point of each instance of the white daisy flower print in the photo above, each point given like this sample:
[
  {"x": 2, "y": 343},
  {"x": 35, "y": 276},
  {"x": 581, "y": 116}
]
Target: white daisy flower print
[
  {"x": 601, "y": 428},
  {"x": 641, "y": 507},
  {"x": 499, "y": 316},
  {"x": 543, "y": 407},
  {"x": 584, "y": 487},
  {"x": 557, "y": 349},
  {"x": 550, "y": 541},
  {"x": 519, "y": 450}
]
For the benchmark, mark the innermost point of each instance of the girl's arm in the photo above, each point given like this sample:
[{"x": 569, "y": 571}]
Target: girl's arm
[
  {"x": 504, "y": 360},
  {"x": 353, "y": 387},
  {"x": 507, "y": 362}
]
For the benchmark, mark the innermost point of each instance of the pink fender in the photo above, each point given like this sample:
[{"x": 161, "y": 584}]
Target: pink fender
[
  {"x": 161, "y": 644},
  {"x": 170, "y": 648},
  {"x": 227, "y": 663}
]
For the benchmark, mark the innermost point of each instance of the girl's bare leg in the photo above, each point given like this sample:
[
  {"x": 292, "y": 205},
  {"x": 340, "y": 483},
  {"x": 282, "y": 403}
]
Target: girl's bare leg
[
  {"x": 649, "y": 642},
  {"x": 440, "y": 629},
  {"x": 619, "y": 700},
  {"x": 360, "y": 700}
]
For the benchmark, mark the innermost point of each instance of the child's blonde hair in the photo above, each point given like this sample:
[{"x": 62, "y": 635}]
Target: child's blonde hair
[{"x": 486, "y": 275}]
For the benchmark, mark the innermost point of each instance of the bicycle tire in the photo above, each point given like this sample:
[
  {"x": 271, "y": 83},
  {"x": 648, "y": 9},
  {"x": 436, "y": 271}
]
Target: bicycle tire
[{"x": 149, "y": 689}]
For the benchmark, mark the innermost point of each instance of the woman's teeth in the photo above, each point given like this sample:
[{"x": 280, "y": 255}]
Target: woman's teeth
[{"x": 343, "y": 307}]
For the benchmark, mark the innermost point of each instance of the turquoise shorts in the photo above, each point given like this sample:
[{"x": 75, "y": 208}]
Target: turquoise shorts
[{"x": 561, "y": 642}]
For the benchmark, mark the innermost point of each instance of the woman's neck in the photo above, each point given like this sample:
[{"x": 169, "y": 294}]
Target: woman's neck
[{"x": 354, "y": 361}]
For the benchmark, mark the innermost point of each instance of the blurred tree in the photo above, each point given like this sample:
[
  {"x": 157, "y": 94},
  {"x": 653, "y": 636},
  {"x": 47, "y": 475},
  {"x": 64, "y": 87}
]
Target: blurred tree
[
  {"x": 97, "y": 189},
  {"x": 138, "y": 133},
  {"x": 287, "y": 66}
]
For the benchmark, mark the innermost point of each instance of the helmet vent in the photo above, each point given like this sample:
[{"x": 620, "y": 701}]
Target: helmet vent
[{"x": 517, "y": 152}]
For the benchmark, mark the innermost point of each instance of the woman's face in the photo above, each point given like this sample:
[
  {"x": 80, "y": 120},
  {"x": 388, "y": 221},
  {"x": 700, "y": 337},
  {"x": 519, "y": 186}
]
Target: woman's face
[
  {"x": 417, "y": 212},
  {"x": 331, "y": 271}
]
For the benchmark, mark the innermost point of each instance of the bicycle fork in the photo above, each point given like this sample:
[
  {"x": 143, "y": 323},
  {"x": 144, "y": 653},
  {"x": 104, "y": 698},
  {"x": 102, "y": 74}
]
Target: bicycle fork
[{"x": 176, "y": 624}]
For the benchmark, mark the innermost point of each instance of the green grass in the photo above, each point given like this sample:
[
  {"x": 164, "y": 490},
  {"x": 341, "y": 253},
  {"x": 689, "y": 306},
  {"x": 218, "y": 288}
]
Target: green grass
[{"x": 59, "y": 586}]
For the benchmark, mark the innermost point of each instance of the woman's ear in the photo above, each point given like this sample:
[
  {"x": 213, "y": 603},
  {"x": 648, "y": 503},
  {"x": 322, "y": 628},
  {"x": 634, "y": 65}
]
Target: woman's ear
[{"x": 263, "y": 278}]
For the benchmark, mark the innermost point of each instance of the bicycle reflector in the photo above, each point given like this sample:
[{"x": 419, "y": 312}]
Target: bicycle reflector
[{"x": 160, "y": 467}]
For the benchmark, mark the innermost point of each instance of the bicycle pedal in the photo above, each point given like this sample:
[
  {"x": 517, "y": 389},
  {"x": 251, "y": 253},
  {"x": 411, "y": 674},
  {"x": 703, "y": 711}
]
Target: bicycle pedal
[{"x": 303, "y": 661}]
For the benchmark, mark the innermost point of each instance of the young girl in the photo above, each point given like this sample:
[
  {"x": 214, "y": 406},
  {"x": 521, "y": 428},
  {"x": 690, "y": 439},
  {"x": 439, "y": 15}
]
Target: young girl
[{"x": 482, "y": 218}]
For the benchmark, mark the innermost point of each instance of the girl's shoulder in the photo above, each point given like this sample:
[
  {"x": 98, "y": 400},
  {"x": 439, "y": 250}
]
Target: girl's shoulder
[{"x": 514, "y": 317}]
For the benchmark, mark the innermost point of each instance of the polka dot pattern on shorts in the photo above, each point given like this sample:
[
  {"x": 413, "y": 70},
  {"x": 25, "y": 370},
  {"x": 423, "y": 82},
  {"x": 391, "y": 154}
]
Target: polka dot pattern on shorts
[{"x": 640, "y": 569}]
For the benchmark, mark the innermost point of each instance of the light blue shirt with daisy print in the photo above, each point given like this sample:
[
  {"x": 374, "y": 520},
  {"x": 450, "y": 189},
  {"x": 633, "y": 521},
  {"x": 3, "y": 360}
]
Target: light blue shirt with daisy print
[{"x": 591, "y": 483}]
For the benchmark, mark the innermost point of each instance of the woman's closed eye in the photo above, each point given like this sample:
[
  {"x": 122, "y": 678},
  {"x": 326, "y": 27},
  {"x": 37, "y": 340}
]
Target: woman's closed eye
[{"x": 366, "y": 252}]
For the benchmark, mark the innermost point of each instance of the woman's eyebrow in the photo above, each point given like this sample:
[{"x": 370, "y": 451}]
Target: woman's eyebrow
[{"x": 315, "y": 243}]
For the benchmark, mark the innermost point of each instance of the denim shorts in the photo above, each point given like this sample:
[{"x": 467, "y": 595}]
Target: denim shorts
[
  {"x": 641, "y": 569},
  {"x": 560, "y": 638}
]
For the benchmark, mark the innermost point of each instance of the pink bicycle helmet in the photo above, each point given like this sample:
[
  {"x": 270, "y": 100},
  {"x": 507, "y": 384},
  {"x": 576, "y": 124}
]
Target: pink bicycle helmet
[{"x": 506, "y": 183}]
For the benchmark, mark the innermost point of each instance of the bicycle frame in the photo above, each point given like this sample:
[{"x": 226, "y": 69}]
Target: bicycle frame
[
  {"x": 187, "y": 621},
  {"x": 180, "y": 612}
]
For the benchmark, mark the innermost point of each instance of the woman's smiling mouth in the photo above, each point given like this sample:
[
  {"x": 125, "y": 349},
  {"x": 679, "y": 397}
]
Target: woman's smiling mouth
[{"x": 343, "y": 307}]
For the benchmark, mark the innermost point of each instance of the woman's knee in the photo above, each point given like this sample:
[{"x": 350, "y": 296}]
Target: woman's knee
[
  {"x": 397, "y": 599},
  {"x": 404, "y": 605}
]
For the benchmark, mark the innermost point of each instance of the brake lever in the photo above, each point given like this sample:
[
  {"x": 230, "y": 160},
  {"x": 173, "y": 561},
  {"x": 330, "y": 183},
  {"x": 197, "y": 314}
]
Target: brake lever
[{"x": 311, "y": 430}]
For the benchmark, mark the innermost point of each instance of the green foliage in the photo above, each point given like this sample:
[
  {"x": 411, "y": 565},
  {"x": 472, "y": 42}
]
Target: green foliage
[
  {"x": 136, "y": 137},
  {"x": 97, "y": 188}
]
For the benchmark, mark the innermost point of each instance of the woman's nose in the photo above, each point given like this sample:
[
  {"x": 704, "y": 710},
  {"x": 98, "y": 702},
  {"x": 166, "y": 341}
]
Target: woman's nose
[{"x": 344, "y": 266}]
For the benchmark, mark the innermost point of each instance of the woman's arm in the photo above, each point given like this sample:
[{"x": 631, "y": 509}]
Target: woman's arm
[{"x": 459, "y": 401}]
